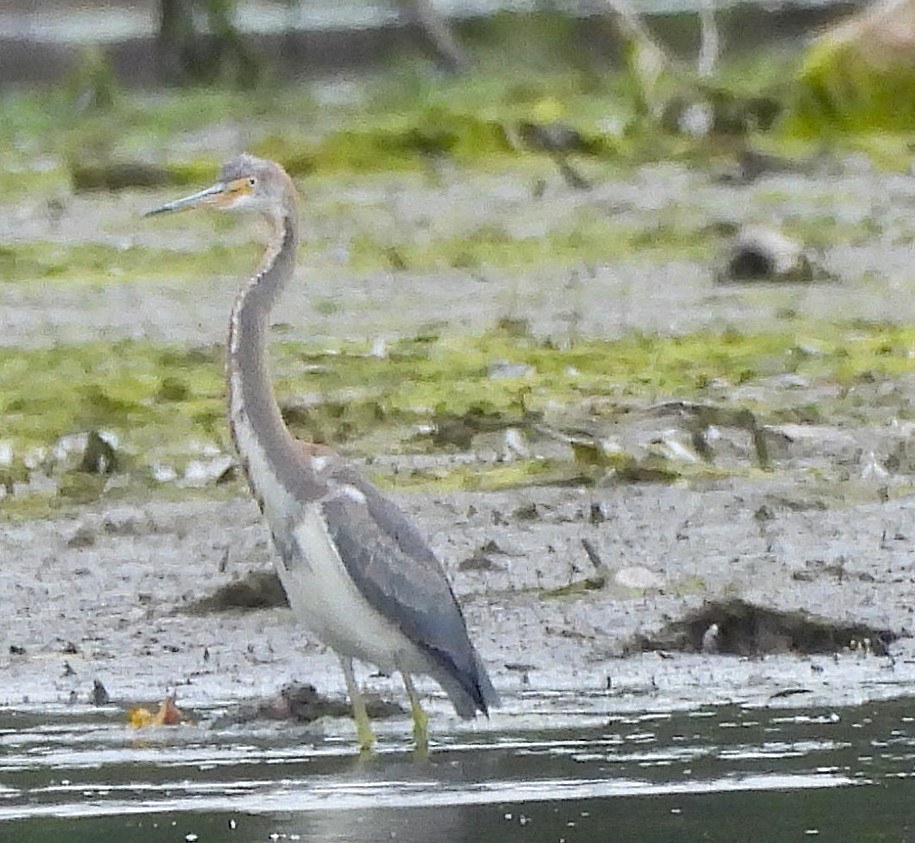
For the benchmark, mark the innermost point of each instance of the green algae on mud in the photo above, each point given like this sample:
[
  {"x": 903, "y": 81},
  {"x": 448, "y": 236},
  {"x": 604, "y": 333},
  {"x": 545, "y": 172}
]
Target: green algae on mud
[
  {"x": 432, "y": 395},
  {"x": 587, "y": 237},
  {"x": 98, "y": 263}
]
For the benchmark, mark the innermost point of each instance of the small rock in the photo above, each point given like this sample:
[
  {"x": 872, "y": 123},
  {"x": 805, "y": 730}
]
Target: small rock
[
  {"x": 502, "y": 369},
  {"x": 675, "y": 445},
  {"x": 260, "y": 589},
  {"x": 479, "y": 561},
  {"x": 635, "y": 576},
  {"x": 126, "y": 521},
  {"x": 202, "y": 472},
  {"x": 100, "y": 456},
  {"x": 710, "y": 639},
  {"x": 789, "y": 380},
  {"x": 164, "y": 473},
  {"x": 83, "y": 537},
  {"x": 302, "y": 702},
  {"x": 99, "y": 695},
  {"x": 528, "y": 512},
  {"x": 752, "y": 165},
  {"x": 765, "y": 254}
]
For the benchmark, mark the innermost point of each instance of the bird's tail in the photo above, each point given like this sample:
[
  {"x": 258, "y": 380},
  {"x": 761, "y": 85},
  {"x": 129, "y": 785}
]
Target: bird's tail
[{"x": 469, "y": 691}]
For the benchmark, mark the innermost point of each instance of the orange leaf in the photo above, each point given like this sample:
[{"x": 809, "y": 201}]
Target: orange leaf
[
  {"x": 140, "y": 718},
  {"x": 168, "y": 715}
]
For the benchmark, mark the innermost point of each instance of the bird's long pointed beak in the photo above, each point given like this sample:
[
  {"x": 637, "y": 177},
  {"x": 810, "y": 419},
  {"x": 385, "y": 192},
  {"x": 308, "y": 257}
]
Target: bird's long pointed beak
[{"x": 210, "y": 196}]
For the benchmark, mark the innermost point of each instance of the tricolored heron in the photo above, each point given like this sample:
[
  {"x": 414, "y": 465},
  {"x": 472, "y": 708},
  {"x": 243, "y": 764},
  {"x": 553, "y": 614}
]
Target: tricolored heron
[{"x": 354, "y": 568}]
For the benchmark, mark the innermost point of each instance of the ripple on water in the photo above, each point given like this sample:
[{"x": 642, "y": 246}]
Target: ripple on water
[{"x": 84, "y": 764}]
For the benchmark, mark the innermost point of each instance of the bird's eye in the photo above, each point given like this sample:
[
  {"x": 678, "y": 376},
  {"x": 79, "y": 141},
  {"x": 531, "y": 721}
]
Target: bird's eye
[{"x": 251, "y": 181}]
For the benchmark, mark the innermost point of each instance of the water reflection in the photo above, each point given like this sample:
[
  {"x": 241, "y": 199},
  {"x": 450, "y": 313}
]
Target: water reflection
[{"x": 724, "y": 773}]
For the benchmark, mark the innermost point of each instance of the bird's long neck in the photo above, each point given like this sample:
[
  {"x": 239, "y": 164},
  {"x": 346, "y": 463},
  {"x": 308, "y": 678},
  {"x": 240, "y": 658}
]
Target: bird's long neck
[{"x": 268, "y": 452}]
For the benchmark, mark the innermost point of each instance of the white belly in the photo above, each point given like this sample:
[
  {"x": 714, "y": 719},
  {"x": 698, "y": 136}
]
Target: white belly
[{"x": 321, "y": 592}]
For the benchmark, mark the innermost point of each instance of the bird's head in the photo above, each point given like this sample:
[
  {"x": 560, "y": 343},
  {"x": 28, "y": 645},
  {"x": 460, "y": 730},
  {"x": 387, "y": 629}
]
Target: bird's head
[{"x": 244, "y": 183}]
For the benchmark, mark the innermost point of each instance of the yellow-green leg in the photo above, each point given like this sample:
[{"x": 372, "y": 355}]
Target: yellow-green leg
[
  {"x": 420, "y": 718},
  {"x": 364, "y": 733}
]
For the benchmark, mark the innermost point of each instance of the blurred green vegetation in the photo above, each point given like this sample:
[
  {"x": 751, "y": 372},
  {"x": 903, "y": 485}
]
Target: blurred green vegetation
[
  {"x": 858, "y": 77},
  {"x": 526, "y": 70}
]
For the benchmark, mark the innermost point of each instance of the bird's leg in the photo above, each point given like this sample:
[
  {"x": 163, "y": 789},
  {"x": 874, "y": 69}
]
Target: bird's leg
[
  {"x": 364, "y": 731},
  {"x": 420, "y": 718}
]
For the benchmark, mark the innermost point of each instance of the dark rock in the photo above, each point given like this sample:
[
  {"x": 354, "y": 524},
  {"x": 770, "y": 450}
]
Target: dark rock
[
  {"x": 479, "y": 561},
  {"x": 764, "y": 254},
  {"x": 84, "y": 536},
  {"x": 303, "y": 703},
  {"x": 99, "y": 457},
  {"x": 99, "y": 695},
  {"x": 258, "y": 590}
]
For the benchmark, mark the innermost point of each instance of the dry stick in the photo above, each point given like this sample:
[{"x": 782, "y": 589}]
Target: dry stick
[
  {"x": 570, "y": 175},
  {"x": 630, "y": 25},
  {"x": 710, "y": 46},
  {"x": 653, "y": 59},
  {"x": 439, "y": 33},
  {"x": 594, "y": 556},
  {"x": 603, "y": 570}
]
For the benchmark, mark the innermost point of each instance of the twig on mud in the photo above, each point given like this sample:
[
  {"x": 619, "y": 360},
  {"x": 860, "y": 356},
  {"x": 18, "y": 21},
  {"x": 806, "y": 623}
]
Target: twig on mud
[{"x": 603, "y": 570}]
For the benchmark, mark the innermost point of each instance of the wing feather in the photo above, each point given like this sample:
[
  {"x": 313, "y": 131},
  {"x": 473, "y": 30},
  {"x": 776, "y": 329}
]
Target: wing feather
[{"x": 403, "y": 580}]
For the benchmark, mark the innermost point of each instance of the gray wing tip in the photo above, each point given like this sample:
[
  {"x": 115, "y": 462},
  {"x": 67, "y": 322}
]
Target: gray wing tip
[
  {"x": 470, "y": 691},
  {"x": 489, "y": 696}
]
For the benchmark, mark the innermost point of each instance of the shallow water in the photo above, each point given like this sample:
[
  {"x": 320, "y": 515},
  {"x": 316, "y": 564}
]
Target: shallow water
[{"x": 715, "y": 773}]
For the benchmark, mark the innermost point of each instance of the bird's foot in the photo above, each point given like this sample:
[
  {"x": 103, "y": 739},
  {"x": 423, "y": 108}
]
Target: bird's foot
[
  {"x": 365, "y": 738},
  {"x": 420, "y": 732},
  {"x": 420, "y": 719}
]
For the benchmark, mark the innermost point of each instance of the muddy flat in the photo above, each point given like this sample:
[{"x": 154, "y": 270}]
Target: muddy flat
[
  {"x": 756, "y": 561},
  {"x": 825, "y": 528}
]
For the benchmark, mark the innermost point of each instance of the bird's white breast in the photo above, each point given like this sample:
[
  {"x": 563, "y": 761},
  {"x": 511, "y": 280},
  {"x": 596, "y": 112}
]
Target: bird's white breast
[{"x": 321, "y": 591}]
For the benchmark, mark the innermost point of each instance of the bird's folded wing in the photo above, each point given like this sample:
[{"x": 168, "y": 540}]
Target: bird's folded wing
[{"x": 398, "y": 573}]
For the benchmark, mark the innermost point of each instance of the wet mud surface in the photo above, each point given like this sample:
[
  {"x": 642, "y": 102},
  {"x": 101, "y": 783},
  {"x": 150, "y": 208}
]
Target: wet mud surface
[
  {"x": 824, "y": 531},
  {"x": 118, "y": 604}
]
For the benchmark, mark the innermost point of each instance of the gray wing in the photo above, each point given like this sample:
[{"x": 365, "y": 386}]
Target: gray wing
[{"x": 404, "y": 581}]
